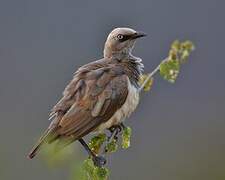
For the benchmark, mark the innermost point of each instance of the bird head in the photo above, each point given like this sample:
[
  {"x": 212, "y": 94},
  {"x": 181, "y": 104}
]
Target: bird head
[{"x": 121, "y": 41}]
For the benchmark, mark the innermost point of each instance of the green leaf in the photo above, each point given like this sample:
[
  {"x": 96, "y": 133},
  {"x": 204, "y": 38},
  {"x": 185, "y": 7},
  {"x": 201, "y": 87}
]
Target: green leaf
[
  {"x": 187, "y": 45},
  {"x": 179, "y": 53},
  {"x": 149, "y": 83},
  {"x": 169, "y": 70},
  {"x": 88, "y": 166},
  {"x": 101, "y": 173},
  {"x": 96, "y": 142},
  {"x": 112, "y": 146},
  {"x": 186, "y": 48},
  {"x": 176, "y": 45},
  {"x": 88, "y": 171},
  {"x": 126, "y": 137}
]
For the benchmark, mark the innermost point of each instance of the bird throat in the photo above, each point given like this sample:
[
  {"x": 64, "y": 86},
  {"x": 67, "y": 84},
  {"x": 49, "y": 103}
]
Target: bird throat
[
  {"x": 132, "y": 67},
  {"x": 131, "y": 64}
]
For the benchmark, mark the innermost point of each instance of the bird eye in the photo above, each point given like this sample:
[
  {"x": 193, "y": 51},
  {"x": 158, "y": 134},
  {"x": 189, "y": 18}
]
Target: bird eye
[{"x": 120, "y": 36}]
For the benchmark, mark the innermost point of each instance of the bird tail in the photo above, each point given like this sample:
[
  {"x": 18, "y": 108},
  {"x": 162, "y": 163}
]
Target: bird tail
[
  {"x": 35, "y": 150},
  {"x": 37, "y": 147},
  {"x": 48, "y": 137}
]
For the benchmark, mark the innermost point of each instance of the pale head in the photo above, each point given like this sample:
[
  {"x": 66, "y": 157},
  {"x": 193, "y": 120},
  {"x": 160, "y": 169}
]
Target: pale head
[{"x": 121, "y": 41}]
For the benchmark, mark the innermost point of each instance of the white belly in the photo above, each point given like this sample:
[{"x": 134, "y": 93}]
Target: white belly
[{"x": 127, "y": 108}]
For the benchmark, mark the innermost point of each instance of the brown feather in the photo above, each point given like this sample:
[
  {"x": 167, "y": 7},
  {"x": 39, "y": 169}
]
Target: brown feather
[{"x": 95, "y": 93}]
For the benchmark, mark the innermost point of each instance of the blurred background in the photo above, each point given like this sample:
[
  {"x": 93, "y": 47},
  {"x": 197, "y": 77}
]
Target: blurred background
[{"x": 178, "y": 130}]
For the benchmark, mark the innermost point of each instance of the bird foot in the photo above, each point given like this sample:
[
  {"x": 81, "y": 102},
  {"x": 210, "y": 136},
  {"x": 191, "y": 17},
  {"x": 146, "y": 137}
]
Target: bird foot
[
  {"x": 115, "y": 130},
  {"x": 99, "y": 161}
]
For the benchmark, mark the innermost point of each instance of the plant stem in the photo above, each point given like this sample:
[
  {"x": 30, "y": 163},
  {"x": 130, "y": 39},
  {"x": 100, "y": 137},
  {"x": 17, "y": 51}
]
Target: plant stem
[{"x": 150, "y": 75}]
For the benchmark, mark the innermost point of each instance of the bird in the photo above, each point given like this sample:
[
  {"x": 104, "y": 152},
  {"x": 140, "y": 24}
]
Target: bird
[{"x": 100, "y": 96}]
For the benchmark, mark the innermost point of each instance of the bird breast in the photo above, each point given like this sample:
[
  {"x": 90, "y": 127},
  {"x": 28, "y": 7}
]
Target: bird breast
[{"x": 126, "y": 109}]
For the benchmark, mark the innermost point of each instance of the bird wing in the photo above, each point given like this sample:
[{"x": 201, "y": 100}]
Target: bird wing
[{"x": 96, "y": 92}]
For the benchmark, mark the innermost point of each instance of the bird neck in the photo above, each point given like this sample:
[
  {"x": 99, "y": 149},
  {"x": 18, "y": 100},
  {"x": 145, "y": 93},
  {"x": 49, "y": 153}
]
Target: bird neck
[
  {"x": 122, "y": 54},
  {"x": 132, "y": 65},
  {"x": 133, "y": 68}
]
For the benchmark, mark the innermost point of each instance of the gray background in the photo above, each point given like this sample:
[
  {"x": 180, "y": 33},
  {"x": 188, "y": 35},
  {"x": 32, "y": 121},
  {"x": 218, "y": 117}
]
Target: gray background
[{"x": 178, "y": 130}]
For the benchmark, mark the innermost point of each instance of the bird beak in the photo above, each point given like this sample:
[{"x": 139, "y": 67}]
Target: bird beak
[{"x": 138, "y": 35}]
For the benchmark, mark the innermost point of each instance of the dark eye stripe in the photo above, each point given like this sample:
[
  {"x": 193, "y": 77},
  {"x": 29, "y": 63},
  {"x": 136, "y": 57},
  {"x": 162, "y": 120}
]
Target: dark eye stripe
[{"x": 125, "y": 37}]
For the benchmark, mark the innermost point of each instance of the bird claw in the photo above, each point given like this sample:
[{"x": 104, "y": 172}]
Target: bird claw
[
  {"x": 99, "y": 161},
  {"x": 115, "y": 130}
]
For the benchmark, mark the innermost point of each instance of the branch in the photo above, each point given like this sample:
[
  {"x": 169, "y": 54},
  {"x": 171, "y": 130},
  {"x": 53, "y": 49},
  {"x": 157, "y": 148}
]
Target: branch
[
  {"x": 169, "y": 69},
  {"x": 149, "y": 76}
]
